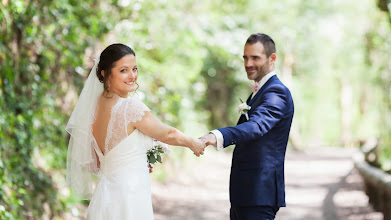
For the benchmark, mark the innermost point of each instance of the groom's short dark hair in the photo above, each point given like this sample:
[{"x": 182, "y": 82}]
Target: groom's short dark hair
[{"x": 265, "y": 40}]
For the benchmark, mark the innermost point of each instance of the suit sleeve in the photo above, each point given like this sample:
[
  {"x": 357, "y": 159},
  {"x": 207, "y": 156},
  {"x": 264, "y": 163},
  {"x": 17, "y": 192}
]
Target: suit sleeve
[{"x": 262, "y": 119}]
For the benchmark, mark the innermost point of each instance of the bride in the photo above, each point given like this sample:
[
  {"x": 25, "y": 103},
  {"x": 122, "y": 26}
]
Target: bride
[{"x": 110, "y": 135}]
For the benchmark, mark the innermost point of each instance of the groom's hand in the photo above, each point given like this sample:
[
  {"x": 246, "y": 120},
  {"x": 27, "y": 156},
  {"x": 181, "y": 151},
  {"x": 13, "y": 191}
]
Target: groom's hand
[
  {"x": 209, "y": 139},
  {"x": 197, "y": 147}
]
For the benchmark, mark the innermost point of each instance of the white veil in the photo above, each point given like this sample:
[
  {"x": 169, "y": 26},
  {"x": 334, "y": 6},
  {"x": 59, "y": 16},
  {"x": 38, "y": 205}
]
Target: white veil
[{"x": 82, "y": 159}]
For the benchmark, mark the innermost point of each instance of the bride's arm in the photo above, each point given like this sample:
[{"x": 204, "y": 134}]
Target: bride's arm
[{"x": 153, "y": 127}]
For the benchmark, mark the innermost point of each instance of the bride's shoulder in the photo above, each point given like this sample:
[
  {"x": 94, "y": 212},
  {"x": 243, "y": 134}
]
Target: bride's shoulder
[
  {"x": 133, "y": 100},
  {"x": 135, "y": 104},
  {"x": 135, "y": 109}
]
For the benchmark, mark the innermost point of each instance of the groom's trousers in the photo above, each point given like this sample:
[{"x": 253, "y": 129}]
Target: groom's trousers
[{"x": 253, "y": 212}]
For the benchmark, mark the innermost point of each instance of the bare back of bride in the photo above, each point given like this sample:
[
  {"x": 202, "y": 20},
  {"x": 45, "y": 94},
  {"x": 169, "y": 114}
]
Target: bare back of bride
[{"x": 110, "y": 137}]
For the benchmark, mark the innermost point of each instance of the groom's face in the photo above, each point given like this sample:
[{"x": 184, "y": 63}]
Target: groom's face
[{"x": 256, "y": 63}]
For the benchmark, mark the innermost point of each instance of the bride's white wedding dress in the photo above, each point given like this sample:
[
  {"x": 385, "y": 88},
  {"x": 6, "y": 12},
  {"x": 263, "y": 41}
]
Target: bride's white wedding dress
[{"x": 123, "y": 191}]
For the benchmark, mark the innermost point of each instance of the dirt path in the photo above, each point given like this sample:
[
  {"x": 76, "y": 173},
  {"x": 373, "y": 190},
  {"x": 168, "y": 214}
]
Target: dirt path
[
  {"x": 321, "y": 184},
  {"x": 201, "y": 193}
]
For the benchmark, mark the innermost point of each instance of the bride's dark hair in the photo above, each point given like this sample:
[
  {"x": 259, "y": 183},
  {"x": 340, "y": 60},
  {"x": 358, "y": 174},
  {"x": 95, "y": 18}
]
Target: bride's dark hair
[{"x": 108, "y": 57}]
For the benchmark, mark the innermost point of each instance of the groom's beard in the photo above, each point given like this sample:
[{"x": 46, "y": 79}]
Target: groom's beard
[{"x": 261, "y": 71}]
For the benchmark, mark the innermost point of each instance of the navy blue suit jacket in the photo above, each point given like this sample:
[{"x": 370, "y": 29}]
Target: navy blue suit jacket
[{"x": 257, "y": 172}]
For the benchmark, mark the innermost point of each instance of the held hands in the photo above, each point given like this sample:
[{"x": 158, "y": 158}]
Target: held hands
[
  {"x": 209, "y": 139},
  {"x": 197, "y": 146}
]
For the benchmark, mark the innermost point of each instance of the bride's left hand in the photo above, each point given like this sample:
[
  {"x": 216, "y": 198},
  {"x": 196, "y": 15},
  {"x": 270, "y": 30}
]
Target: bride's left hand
[{"x": 197, "y": 147}]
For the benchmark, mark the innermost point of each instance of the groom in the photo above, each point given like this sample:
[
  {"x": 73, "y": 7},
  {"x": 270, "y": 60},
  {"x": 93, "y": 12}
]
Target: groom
[{"x": 257, "y": 187}]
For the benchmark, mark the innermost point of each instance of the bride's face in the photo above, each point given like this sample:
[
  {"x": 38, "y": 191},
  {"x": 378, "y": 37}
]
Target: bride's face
[{"x": 123, "y": 77}]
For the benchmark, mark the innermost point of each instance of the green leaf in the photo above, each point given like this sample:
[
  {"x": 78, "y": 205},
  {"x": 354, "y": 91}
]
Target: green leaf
[
  {"x": 152, "y": 159},
  {"x": 159, "y": 159}
]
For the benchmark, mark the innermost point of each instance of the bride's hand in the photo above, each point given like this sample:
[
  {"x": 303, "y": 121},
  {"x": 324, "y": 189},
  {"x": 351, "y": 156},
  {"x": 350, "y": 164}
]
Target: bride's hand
[{"x": 197, "y": 147}]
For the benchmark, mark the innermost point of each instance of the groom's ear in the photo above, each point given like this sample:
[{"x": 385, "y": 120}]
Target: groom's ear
[{"x": 273, "y": 57}]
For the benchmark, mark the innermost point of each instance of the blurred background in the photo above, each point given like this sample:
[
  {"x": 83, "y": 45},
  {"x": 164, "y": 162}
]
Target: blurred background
[{"x": 333, "y": 55}]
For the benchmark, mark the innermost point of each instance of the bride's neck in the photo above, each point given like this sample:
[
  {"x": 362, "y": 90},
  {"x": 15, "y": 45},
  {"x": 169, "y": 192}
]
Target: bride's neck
[{"x": 114, "y": 94}]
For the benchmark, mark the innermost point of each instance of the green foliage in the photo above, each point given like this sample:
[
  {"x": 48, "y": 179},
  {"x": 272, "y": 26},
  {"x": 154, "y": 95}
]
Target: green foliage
[
  {"x": 153, "y": 155},
  {"x": 379, "y": 47},
  {"x": 42, "y": 44}
]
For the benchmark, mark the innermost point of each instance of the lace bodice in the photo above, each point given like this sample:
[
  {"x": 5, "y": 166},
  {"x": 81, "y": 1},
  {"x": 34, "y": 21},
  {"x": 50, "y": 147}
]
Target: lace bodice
[
  {"x": 125, "y": 111},
  {"x": 123, "y": 189}
]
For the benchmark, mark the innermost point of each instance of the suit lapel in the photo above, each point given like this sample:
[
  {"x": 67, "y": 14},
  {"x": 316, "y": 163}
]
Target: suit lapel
[
  {"x": 250, "y": 100},
  {"x": 262, "y": 89}
]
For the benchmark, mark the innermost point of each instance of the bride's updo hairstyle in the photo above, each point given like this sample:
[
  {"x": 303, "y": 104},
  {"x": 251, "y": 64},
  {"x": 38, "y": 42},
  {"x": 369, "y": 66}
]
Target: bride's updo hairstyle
[{"x": 108, "y": 57}]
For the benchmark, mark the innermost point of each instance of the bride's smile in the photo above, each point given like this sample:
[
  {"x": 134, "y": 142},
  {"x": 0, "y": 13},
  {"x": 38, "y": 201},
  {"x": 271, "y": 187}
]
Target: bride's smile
[{"x": 123, "y": 77}]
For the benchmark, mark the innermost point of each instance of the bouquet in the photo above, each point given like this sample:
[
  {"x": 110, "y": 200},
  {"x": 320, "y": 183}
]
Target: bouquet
[{"x": 154, "y": 154}]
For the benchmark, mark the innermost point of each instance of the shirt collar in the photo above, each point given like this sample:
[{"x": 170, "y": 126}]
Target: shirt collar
[{"x": 266, "y": 78}]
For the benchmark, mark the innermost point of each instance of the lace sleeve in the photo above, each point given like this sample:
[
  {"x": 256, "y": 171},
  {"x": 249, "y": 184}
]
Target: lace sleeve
[{"x": 135, "y": 110}]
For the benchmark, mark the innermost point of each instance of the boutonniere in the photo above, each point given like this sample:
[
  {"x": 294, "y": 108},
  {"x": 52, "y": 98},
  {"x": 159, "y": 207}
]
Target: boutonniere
[{"x": 243, "y": 108}]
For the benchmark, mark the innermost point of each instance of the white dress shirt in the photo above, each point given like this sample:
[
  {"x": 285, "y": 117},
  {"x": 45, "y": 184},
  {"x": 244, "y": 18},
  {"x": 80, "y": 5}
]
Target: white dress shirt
[{"x": 218, "y": 134}]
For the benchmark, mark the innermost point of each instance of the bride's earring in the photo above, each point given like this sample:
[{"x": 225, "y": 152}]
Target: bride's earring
[{"x": 109, "y": 86}]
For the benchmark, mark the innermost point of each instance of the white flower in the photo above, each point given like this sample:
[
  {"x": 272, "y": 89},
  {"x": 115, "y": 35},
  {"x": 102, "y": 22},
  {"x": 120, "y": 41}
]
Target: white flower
[
  {"x": 243, "y": 108},
  {"x": 158, "y": 144},
  {"x": 164, "y": 146}
]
